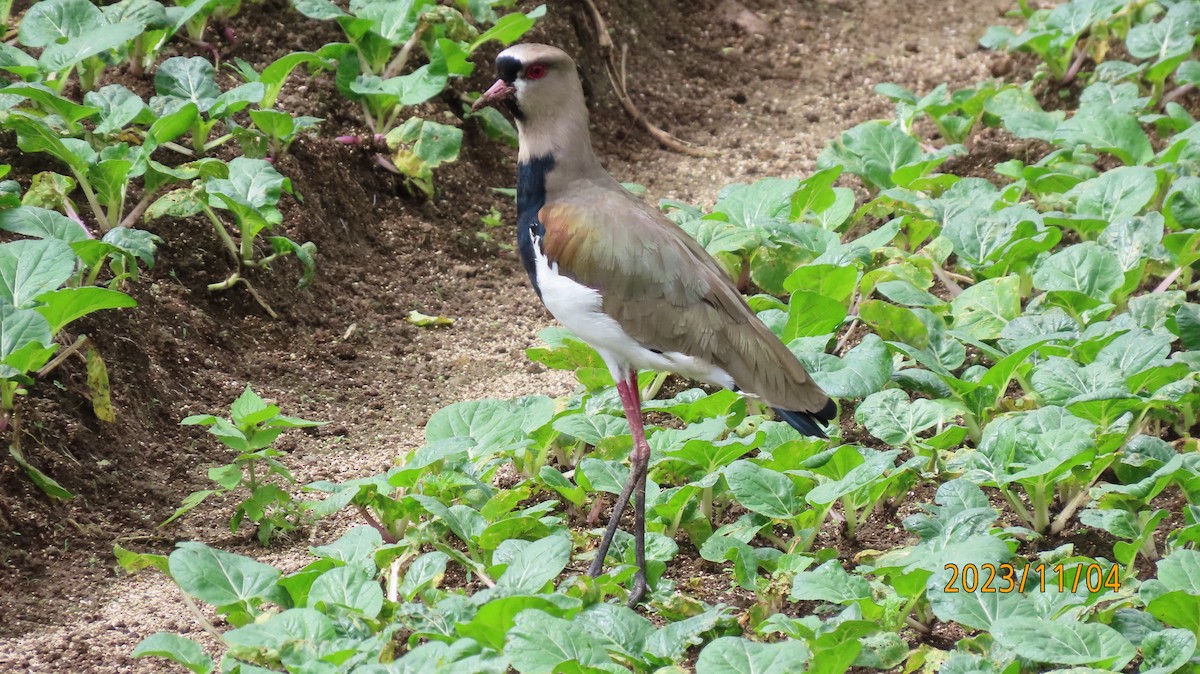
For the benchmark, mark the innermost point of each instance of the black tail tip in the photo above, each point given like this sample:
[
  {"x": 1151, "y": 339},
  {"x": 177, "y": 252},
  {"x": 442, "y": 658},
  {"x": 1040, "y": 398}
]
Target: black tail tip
[{"x": 808, "y": 423}]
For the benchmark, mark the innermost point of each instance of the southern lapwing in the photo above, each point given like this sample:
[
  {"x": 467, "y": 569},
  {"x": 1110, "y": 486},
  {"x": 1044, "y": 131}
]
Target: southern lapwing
[{"x": 627, "y": 280}]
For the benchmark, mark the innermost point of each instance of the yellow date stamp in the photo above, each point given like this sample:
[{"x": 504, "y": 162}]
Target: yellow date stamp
[{"x": 1005, "y": 578}]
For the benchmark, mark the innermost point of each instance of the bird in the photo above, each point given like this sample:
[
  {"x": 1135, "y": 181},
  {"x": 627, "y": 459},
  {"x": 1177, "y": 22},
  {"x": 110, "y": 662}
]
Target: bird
[{"x": 626, "y": 279}]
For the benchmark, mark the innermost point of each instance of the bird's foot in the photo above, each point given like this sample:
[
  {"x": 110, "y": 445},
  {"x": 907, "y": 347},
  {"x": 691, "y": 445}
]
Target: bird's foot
[{"x": 638, "y": 591}]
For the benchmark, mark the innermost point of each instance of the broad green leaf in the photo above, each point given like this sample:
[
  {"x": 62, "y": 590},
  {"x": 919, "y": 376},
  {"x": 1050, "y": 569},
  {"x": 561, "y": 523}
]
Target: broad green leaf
[
  {"x": 757, "y": 204},
  {"x": 762, "y": 490},
  {"x": 1134, "y": 239},
  {"x": 982, "y": 310},
  {"x": 173, "y": 647},
  {"x": 29, "y": 268},
  {"x": 221, "y": 578},
  {"x": 830, "y": 582},
  {"x": 538, "y": 563},
  {"x": 834, "y": 282},
  {"x": 864, "y": 370},
  {"x": 41, "y": 223},
  {"x": 494, "y": 619},
  {"x": 539, "y": 643},
  {"x": 1064, "y": 643},
  {"x": 1119, "y": 193},
  {"x": 873, "y": 151},
  {"x": 810, "y": 314},
  {"x": 1106, "y": 130},
  {"x": 348, "y": 586},
  {"x": 61, "y": 56},
  {"x": 980, "y": 610},
  {"x": 509, "y": 28},
  {"x": 52, "y": 20},
  {"x": 1086, "y": 267},
  {"x": 64, "y": 305},
  {"x": 894, "y": 323},
  {"x": 1167, "y": 651},
  {"x": 180, "y": 80},
  {"x": 355, "y": 547},
  {"x": 1060, "y": 380},
  {"x": 425, "y": 571},
  {"x": 735, "y": 655},
  {"x": 890, "y": 416}
]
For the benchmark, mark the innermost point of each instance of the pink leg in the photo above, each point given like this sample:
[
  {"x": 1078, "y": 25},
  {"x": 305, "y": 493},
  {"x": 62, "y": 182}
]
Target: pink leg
[{"x": 638, "y": 460}]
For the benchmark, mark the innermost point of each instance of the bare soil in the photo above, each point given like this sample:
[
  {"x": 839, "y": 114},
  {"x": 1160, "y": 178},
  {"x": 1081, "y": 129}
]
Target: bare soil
[{"x": 763, "y": 104}]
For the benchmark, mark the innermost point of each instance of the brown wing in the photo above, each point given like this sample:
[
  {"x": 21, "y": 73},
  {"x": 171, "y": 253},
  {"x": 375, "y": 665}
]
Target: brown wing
[{"x": 668, "y": 293}]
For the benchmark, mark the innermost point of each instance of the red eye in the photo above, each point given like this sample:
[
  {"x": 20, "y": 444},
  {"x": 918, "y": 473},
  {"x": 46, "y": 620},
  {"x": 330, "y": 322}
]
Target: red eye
[{"x": 535, "y": 72}]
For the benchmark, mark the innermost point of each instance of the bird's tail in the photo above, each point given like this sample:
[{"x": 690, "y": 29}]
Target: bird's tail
[{"x": 808, "y": 423}]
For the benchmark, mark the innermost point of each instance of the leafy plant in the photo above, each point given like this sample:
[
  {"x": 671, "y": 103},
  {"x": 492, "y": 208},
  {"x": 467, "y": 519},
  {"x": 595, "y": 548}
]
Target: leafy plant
[
  {"x": 374, "y": 69},
  {"x": 250, "y": 191},
  {"x": 250, "y": 430}
]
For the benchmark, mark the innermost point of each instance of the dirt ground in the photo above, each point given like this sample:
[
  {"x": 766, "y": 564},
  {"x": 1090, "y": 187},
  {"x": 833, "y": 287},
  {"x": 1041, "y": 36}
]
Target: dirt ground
[{"x": 763, "y": 101}]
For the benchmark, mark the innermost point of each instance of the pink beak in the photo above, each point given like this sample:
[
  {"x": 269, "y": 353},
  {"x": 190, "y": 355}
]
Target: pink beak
[{"x": 499, "y": 91}]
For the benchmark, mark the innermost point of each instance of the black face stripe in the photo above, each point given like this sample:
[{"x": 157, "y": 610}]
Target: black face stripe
[{"x": 508, "y": 68}]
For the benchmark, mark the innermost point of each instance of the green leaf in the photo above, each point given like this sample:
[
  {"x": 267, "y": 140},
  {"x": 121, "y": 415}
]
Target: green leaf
[
  {"x": 221, "y": 578},
  {"x": 831, "y": 583},
  {"x": 537, "y": 563},
  {"x": 890, "y": 416},
  {"x": 64, "y": 305},
  {"x": 177, "y": 649},
  {"x": 426, "y": 571},
  {"x": 180, "y": 80},
  {"x": 810, "y": 315},
  {"x": 1086, "y": 268},
  {"x": 254, "y": 183},
  {"x": 735, "y": 655},
  {"x": 41, "y": 223},
  {"x": 1064, "y": 643},
  {"x": 509, "y": 28},
  {"x": 864, "y": 370},
  {"x": 762, "y": 490},
  {"x": 982, "y": 310},
  {"x": 1106, "y": 130},
  {"x": 44, "y": 482},
  {"x": 29, "y": 268},
  {"x": 894, "y": 323},
  {"x": 980, "y": 610},
  {"x": 348, "y": 586},
  {"x": 494, "y": 425},
  {"x": 52, "y": 20},
  {"x": 61, "y": 56},
  {"x": 872, "y": 150},
  {"x": 832, "y": 281},
  {"x": 1167, "y": 651},
  {"x": 425, "y": 320},
  {"x": 540, "y": 643},
  {"x": 1119, "y": 193}
]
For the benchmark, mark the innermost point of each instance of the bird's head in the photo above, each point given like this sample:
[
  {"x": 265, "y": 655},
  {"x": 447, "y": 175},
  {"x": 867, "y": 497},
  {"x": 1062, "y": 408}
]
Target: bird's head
[{"x": 536, "y": 81}]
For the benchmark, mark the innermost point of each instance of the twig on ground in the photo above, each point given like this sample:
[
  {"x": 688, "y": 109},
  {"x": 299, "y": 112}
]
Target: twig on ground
[{"x": 616, "y": 75}]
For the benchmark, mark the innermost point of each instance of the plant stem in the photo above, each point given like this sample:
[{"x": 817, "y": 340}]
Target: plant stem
[
  {"x": 226, "y": 239},
  {"x": 172, "y": 145},
  {"x": 374, "y": 524},
  {"x": 226, "y": 284},
  {"x": 101, "y": 218},
  {"x": 397, "y": 65},
  {"x": 62, "y": 356},
  {"x": 655, "y": 386}
]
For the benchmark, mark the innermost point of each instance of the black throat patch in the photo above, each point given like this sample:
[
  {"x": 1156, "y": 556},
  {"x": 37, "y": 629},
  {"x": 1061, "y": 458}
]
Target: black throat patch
[{"x": 531, "y": 196}]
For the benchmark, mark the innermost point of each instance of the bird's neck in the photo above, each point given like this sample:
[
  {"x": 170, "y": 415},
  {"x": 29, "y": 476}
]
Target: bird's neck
[{"x": 563, "y": 137}]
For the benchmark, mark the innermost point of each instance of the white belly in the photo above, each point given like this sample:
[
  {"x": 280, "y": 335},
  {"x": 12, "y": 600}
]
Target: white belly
[{"x": 579, "y": 309}]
